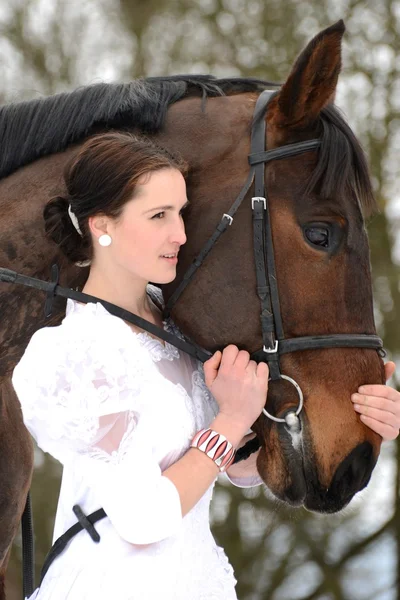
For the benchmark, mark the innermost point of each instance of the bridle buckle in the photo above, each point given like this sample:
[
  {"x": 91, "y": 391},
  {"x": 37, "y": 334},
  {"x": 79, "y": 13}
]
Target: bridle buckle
[
  {"x": 230, "y": 219},
  {"x": 258, "y": 199},
  {"x": 271, "y": 350}
]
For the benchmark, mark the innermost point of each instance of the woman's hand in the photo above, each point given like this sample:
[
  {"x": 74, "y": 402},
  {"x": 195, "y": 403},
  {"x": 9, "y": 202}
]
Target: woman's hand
[
  {"x": 379, "y": 406},
  {"x": 238, "y": 384}
]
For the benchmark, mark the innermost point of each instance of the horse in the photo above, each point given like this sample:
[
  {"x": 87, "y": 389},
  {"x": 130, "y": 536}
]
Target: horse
[{"x": 318, "y": 201}]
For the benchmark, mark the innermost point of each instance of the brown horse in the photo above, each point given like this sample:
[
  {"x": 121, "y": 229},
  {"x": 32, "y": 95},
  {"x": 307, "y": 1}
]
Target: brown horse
[{"x": 317, "y": 200}]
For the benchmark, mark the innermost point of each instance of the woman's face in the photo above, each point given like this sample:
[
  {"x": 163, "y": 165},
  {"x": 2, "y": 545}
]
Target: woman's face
[{"x": 150, "y": 227}]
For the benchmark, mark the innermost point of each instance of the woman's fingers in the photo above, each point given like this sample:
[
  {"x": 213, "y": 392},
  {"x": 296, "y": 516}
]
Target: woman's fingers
[
  {"x": 379, "y": 391},
  {"x": 379, "y": 402},
  {"x": 379, "y": 408},
  {"x": 211, "y": 367},
  {"x": 263, "y": 370},
  {"x": 229, "y": 355},
  {"x": 388, "y": 432},
  {"x": 382, "y": 415},
  {"x": 242, "y": 359}
]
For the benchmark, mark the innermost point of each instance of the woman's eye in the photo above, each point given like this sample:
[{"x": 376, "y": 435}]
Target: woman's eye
[
  {"x": 161, "y": 214},
  {"x": 318, "y": 236}
]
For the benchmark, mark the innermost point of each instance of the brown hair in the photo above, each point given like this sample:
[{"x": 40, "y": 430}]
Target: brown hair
[{"x": 101, "y": 178}]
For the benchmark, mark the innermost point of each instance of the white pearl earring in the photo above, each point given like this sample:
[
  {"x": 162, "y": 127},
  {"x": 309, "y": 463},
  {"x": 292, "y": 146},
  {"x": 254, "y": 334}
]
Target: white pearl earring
[{"x": 104, "y": 240}]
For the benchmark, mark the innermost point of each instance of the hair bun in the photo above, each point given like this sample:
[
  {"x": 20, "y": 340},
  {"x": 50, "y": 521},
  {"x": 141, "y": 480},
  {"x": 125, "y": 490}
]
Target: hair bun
[{"x": 60, "y": 229}]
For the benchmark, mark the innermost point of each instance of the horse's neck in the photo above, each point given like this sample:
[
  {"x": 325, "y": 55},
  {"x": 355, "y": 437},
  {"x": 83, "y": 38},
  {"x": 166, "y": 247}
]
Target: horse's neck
[{"x": 206, "y": 133}]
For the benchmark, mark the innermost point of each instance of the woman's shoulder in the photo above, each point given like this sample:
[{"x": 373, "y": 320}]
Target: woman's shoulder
[
  {"x": 84, "y": 326},
  {"x": 88, "y": 335},
  {"x": 90, "y": 338},
  {"x": 84, "y": 363}
]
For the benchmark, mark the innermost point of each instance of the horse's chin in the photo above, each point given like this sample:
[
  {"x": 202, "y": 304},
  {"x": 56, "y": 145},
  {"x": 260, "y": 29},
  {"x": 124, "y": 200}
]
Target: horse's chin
[
  {"x": 298, "y": 484},
  {"x": 351, "y": 476}
]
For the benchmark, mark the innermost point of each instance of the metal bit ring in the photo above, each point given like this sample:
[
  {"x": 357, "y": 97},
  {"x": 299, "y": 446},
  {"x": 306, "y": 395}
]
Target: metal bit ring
[{"x": 301, "y": 401}]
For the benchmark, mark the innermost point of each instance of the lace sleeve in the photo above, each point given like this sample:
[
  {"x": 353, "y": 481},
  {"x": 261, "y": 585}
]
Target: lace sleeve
[{"x": 85, "y": 401}]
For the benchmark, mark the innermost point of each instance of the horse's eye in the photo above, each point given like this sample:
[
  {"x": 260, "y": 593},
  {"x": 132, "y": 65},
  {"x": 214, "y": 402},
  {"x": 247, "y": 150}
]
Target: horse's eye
[{"x": 317, "y": 235}]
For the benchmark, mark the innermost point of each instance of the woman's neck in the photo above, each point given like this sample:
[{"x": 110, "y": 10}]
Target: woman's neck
[{"x": 131, "y": 296}]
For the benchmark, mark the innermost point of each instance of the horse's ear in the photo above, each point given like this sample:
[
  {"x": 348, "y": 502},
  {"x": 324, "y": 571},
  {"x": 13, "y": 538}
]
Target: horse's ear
[{"x": 312, "y": 82}]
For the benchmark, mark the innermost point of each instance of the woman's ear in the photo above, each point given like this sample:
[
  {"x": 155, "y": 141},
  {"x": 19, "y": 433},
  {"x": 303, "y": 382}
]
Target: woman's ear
[{"x": 98, "y": 224}]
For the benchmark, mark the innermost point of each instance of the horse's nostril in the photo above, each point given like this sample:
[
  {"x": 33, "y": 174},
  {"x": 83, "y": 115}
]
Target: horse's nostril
[
  {"x": 361, "y": 461},
  {"x": 352, "y": 475},
  {"x": 354, "y": 472}
]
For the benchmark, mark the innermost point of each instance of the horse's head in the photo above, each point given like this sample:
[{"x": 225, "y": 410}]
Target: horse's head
[{"x": 317, "y": 200}]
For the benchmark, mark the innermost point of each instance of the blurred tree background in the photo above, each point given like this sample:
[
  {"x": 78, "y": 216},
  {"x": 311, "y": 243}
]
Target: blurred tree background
[{"x": 49, "y": 46}]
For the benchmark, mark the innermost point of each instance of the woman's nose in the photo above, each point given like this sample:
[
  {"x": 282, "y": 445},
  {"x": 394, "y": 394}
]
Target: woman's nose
[{"x": 179, "y": 235}]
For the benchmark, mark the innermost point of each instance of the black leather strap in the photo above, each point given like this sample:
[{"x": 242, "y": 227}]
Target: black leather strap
[
  {"x": 287, "y": 151},
  {"x": 48, "y": 306},
  {"x": 324, "y": 342},
  {"x": 28, "y": 549},
  {"x": 86, "y": 524},
  {"x": 267, "y": 290},
  {"x": 263, "y": 290},
  {"x": 318, "y": 342},
  {"x": 56, "y": 290},
  {"x": 226, "y": 220},
  {"x": 258, "y": 140},
  {"x": 61, "y": 543}
]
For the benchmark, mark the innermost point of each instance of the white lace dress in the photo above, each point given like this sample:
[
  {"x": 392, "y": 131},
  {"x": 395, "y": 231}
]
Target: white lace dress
[{"x": 116, "y": 408}]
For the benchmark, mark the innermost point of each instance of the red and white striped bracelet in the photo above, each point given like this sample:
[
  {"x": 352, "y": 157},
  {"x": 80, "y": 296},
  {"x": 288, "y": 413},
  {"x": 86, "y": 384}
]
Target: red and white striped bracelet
[{"x": 216, "y": 446}]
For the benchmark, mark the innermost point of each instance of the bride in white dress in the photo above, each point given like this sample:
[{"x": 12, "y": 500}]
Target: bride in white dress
[{"x": 119, "y": 408}]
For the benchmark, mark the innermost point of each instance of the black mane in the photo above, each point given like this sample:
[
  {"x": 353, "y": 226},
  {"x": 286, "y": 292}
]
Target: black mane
[{"x": 36, "y": 128}]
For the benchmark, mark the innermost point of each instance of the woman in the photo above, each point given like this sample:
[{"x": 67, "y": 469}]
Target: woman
[{"x": 127, "y": 415}]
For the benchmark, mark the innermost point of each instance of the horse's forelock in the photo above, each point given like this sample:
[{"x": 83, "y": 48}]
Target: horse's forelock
[{"x": 342, "y": 171}]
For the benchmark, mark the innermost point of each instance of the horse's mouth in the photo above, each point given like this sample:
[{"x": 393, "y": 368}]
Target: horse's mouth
[
  {"x": 298, "y": 482},
  {"x": 305, "y": 488},
  {"x": 351, "y": 476}
]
